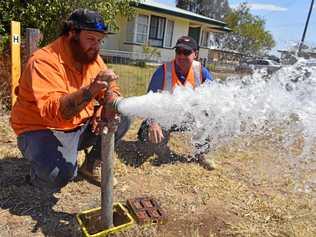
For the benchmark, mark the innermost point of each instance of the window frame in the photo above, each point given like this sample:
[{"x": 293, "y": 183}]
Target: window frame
[
  {"x": 136, "y": 29},
  {"x": 205, "y": 33},
  {"x": 132, "y": 32},
  {"x": 165, "y": 40},
  {"x": 162, "y": 39},
  {"x": 133, "y": 25}
]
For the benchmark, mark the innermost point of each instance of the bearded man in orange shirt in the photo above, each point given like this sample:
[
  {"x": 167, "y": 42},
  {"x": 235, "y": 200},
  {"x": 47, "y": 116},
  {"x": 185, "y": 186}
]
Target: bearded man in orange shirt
[{"x": 55, "y": 114}]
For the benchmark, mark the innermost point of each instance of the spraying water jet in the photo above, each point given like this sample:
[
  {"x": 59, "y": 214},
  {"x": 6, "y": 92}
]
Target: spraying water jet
[{"x": 279, "y": 108}]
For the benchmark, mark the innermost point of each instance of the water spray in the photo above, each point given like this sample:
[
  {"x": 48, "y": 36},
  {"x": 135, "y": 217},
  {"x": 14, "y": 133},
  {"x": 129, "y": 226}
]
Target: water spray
[{"x": 279, "y": 107}]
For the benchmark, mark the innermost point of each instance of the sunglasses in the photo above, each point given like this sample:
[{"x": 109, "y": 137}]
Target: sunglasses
[{"x": 185, "y": 52}]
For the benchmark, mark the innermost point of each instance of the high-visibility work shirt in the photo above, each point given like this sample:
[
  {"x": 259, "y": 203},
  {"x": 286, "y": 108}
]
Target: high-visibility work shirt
[
  {"x": 193, "y": 78},
  {"x": 50, "y": 73},
  {"x": 157, "y": 81}
]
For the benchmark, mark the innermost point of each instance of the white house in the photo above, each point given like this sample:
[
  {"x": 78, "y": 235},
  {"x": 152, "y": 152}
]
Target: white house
[{"x": 160, "y": 25}]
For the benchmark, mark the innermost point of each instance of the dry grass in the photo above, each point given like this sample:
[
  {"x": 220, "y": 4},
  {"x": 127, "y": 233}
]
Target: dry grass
[
  {"x": 5, "y": 75},
  {"x": 251, "y": 193}
]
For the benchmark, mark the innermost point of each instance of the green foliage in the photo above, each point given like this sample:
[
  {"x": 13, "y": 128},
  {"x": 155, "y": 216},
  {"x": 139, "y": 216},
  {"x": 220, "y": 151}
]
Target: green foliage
[
  {"x": 209, "y": 8},
  {"x": 141, "y": 63},
  {"x": 248, "y": 32},
  {"x": 150, "y": 51},
  {"x": 48, "y": 15},
  {"x": 211, "y": 67},
  {"x": 4, "y": 42}
]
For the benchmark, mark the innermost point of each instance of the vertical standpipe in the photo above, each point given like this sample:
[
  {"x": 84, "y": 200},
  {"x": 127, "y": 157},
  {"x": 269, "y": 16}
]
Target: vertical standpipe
[{"x": 107, "y": 151}]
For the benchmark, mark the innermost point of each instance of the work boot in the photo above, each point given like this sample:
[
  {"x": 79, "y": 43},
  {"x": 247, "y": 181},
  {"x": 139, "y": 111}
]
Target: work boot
[
  {"x": 206, "y": 163},
  {"x": 92, "y": 172},
  {"x": 164, "y": 155}
]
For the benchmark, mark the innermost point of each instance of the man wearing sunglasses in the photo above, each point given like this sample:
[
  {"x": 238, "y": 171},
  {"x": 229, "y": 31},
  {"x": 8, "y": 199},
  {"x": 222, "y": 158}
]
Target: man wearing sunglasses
[
  {"x": 182, "y": 71},
  {"x": 55, "y": 114}
]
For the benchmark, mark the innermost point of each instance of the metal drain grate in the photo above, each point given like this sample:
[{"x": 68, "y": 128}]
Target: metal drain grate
[{"x": 146, "y": 210}]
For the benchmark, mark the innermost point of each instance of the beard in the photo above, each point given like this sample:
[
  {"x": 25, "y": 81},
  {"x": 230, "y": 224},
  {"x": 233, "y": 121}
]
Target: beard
[{"x": 80, "y": 55}]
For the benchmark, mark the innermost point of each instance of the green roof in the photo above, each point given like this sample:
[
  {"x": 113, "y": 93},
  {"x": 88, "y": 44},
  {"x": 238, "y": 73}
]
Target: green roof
[{"x": 175, "y": 11}]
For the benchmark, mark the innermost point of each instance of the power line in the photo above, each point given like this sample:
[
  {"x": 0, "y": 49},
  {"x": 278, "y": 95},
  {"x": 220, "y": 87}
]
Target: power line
[{"x": 306, "y": 26}]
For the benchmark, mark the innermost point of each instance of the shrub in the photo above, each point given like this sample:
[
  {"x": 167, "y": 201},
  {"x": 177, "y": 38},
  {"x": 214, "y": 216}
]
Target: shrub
[
  {"x": 211, "y": 67},
  {"x": 141, "y": 63}
]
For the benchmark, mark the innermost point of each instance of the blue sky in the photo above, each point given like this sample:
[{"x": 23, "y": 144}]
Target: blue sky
[{"x": 285, "y": 19}]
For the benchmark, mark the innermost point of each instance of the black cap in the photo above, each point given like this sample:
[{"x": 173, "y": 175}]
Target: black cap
[
  {"x": 186, "y": 42},
  {"x": 85, "y": 19}
]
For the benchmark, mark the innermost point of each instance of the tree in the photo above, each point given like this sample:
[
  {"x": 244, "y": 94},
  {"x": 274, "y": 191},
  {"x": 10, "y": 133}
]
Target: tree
[
  {"x": 216, "y": 9},
  {"x": 248, "y": 32},
  {"x": 48, "y": 15}
]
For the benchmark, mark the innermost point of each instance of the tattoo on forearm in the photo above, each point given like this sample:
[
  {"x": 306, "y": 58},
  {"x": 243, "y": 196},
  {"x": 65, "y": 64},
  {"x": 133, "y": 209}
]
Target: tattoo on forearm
[{"x": 71, "y": 107}]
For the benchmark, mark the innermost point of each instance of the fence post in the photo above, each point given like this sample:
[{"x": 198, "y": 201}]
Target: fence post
[
  {"x": 15, "y": 57},
  {"x": 33, "y": 36}
]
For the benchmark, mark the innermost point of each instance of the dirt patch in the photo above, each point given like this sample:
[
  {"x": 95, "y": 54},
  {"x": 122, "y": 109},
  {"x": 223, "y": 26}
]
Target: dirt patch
[{"x": 255, "y": 191}]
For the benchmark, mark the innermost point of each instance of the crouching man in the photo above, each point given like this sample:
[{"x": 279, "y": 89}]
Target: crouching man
[
  {"x": 55, "y": 115},
  {"x": 183, "y": 71}
]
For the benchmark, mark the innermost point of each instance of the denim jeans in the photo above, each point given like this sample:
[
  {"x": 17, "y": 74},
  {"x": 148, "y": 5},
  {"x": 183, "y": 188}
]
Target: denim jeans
[{"x": 53, "y": 154}]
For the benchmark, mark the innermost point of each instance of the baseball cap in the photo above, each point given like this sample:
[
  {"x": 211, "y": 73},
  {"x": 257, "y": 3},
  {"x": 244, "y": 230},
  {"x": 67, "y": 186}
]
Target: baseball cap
[
  {"x": 85, "y": 19},
  {"x": 186, "y": 42}
]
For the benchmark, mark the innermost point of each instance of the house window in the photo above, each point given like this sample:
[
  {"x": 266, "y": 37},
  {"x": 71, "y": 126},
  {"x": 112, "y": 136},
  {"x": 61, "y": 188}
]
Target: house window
[
  {"x": 169, "y": 33},
  {"x": 137, "y": 29},
  {"x": 157, "y": 30},
  {"x": 205, "y": 38},
  {"x": 130, "y": 30},
  {"x": 160, "y": 30},
  {"x": 142, "y": 28}
]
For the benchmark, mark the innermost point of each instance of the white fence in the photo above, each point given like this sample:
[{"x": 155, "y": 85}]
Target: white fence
[{"x": 126, "y": 57}]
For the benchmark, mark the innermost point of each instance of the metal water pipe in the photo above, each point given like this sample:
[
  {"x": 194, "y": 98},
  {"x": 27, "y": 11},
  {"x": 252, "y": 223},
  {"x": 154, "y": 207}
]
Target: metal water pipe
[{"x": 107, "y": 151}]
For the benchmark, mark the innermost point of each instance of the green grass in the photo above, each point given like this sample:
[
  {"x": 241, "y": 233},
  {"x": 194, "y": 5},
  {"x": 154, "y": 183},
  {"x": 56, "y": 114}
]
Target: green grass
[{"x": 133, "y": 80}]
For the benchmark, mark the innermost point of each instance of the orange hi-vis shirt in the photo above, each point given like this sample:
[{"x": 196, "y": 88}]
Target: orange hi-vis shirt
[
  {"x": 50, "y": 73},
  {"x": 171, "y": 80}
]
